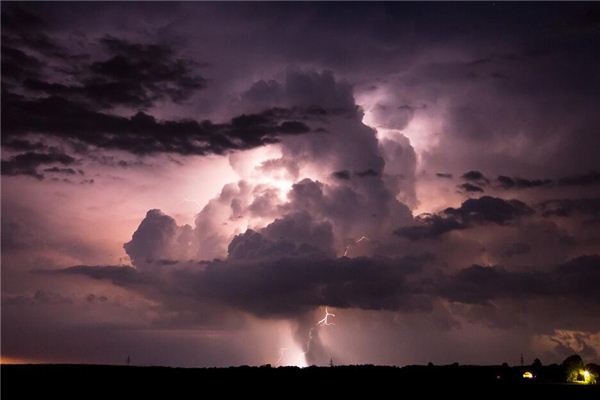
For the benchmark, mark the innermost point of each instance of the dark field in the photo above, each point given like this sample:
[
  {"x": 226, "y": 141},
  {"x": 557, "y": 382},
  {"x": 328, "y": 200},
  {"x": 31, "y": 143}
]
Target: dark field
[{"x": 83, "y": 381}]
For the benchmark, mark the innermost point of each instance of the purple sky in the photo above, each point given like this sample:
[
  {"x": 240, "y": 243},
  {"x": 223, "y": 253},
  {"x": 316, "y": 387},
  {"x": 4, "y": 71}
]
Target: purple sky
[{"x": 194, "y": 184}]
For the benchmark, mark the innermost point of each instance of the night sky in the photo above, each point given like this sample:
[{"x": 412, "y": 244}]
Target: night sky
[{"x": 197, "y": 184}]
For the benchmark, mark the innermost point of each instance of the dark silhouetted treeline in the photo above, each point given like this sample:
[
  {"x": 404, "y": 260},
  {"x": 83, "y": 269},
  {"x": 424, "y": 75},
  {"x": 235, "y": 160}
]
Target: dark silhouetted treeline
[{"x": 83, "y": 381}]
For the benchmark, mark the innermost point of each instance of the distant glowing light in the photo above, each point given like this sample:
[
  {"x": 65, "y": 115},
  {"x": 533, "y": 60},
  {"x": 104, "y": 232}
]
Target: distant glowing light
[
  {"x": 527, "y": 375},
  {"x": 586, "y": 375},
  {"x": 581, "y": 376},
  {"x": 298, "y": 359}
]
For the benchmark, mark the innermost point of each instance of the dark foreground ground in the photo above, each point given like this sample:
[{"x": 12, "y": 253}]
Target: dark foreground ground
[{"x": 368, "y": 382}]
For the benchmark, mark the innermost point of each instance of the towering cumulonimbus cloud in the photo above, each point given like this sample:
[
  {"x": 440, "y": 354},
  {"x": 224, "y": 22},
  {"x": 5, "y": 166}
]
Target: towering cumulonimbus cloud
[
  {"x": 298, "y": 176},
  {"x": 290, "y": 201}
]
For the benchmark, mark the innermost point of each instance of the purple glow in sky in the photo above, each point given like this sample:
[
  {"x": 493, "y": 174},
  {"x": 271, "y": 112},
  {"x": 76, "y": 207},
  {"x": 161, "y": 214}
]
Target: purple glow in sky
[{"x": 196, "y": 184}]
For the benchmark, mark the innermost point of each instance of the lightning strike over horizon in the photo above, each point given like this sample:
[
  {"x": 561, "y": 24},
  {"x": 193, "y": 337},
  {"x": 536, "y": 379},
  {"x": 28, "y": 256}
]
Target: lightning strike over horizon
[
  {"x": 281, "y": 354},
  {"x": 322, "y": 322}
]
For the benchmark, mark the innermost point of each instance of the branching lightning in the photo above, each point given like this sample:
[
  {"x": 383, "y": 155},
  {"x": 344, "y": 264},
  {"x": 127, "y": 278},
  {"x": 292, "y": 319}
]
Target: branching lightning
[
  {"x": 322, "y": 322},
  {"x": 362, "y": 238},
  {"x": 325, "y": 320}
]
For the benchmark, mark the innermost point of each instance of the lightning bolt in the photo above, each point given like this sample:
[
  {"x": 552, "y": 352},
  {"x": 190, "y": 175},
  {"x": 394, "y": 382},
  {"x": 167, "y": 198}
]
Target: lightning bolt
[
  {"x": 281, "y": 354},
  {"x": 322, "y": 322},
  {"x": 325, "y": 320},
  {"x": 362, "y": 238}
]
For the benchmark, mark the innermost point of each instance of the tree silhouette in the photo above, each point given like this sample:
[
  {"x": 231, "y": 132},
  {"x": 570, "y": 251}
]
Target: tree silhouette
[{"x": 573, "y": 367}]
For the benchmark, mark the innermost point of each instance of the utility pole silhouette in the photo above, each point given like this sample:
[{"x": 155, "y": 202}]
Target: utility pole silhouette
[
  {"x": 128, "y": 360},
  {"x": 522, "y": 362}
]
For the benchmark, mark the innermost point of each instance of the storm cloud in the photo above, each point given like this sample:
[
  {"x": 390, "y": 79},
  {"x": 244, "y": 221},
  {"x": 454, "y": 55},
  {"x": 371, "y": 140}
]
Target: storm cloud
[
  {"x": 122, "y": 75},
  {"x": 472, "y": 212},
  {"x": 28, "y": 163},
  {"x": 427, "y": 172}
]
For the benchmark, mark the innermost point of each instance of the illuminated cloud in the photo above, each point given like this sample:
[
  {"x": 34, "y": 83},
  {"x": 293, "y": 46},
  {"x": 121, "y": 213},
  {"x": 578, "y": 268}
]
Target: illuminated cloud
[{"x": 207, "y": 190}]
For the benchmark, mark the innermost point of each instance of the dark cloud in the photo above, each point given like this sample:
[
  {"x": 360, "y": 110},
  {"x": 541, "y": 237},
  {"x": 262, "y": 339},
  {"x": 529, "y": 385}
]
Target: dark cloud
[
  {"x": 18, "y": 65},
  {"x": 444, "y": 175},
  {"x": 429, "y": 226},
  {"x": 149, "y": 72},
  {"x": 306, "y": 234},
  {"x": 575, "y": 279},
  {"x": 489, "y": 209},
  {"x": 344, "y": 175},
  {"x": 23, "y": 41},
  {"x": 591, "y": 178},
  {"x": 292, "y": 286},
  {"x": 470, "y": 188},
  {"x": 295, "y": 285},
  {"x": 24, "y": 145},
  {"x": 23, "y": 27},
  {"x": 39, "y": 297},
  {"x": 277, "y": 286},
  {"x": 15, "y": 18},
  {"x": 475, "y": 176},
  {"x": 293, "y": 235},
  {"x": 587, "y": 179},
  {"x": 134, "y": 75},
  {"x": 289, "y": 286},
  {"x": 589, "y": 207},
  {"x": 141, "y": 133},
  {"x": 28, "y": 163},
  {"x": 472, "y": 212},
  {"x": 478, "y": 284},
  {"x": 515, "y": 249},
  {"x": 366, "y": 173},
  {"x": 119, "y": 275},
  {"x": 129, "y": 74},
  {"x": 285, "y": 286},
  {"x": 68, "y": 171},
  {"x": 507, "y": 182}
]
